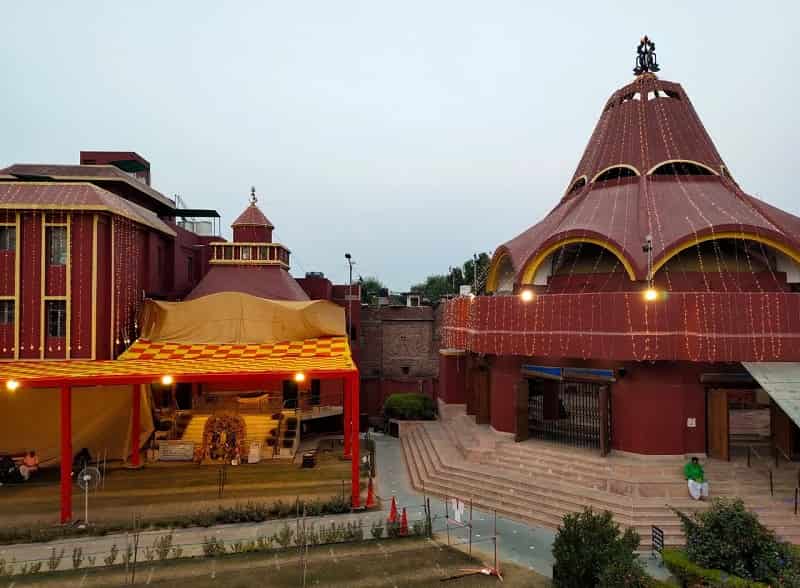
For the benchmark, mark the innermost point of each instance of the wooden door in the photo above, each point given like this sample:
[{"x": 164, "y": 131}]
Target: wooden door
[
  {"x": 483, "y": 415},
  {"x": 521, "y": 392},
  {"x": 717, "y": 414}
]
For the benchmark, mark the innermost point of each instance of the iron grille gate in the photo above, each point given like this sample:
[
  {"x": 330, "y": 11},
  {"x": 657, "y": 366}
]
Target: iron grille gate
[{"x": 568, "y": 412}]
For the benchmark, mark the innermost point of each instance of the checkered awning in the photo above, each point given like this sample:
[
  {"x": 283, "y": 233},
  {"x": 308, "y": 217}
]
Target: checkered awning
[{"x": 146, "y": 362}]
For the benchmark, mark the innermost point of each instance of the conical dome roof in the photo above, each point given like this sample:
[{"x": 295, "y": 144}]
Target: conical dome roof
[
  {"x": 252, "y": 215},
  {"x": 650, "y": 173}
]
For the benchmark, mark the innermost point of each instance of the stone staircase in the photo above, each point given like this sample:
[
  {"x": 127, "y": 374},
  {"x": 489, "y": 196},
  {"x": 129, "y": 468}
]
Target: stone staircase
[
  {"x": 194, "y": 430},
  {"x": 538, "y": 483},
  {"x": 257, "y": 427}
]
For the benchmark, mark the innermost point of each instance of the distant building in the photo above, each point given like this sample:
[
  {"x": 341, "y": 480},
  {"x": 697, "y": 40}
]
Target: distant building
[{"x": 81, "y": 246}]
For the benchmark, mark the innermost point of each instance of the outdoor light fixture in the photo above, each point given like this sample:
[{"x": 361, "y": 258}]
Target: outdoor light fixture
[
  {"x": 651, "y": 294},
  {"x": 12, "y": 385},
  {"x": 299, "y": 377},
  {"x": 526, "y": 295},
  {"x": 167, "y": 380}
]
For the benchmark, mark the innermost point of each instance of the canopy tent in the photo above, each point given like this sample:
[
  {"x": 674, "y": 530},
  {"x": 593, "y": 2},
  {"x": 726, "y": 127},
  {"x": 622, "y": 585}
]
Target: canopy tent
[
  {"x": 148, "y": 362},
  {"x": 238, "y": 318},
  {"x": 781, "y": 380}
]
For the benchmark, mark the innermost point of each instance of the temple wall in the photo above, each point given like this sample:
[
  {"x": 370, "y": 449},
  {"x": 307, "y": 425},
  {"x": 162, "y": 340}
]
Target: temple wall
[{"x": 651, "y": 403}]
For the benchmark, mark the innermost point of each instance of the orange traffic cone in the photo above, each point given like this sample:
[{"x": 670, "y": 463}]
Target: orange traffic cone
[
  {"x": 393, "y": 512},
  {"x": 404, "y": 524},
  {"x": 370, "y": 494}
]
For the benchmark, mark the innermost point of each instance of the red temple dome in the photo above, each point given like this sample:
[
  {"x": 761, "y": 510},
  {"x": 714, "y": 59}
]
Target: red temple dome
[
  {"x": 251, "y": 263},
  {"x": 252, "y": 215},
  {"x": 650, "y": 185}
]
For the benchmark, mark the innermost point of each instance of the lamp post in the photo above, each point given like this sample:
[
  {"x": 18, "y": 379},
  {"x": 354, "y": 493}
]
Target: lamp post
[{"x": 349, "y": 259}]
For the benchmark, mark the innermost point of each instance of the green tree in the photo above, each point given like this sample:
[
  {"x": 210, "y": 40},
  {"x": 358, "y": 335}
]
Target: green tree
[
  {"x": 437, "y": 286},
  {"x": 728, "y": 537},
  {"x": 370, "y": 288},
  {"x": 587, "y": 543}
]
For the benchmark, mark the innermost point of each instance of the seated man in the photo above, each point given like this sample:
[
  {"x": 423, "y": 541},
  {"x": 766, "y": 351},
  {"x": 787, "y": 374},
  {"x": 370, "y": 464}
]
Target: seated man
[
  {"x": 698, "y": 487},
  {"x": 30, "y": 464}
]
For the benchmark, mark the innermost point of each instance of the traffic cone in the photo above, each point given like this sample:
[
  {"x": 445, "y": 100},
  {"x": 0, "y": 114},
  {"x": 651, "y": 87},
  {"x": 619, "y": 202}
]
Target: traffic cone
[
  {"x": 370, "y": 494},
  {"x": 393, "y": 512},
  {"x": 404, "y": 524}
]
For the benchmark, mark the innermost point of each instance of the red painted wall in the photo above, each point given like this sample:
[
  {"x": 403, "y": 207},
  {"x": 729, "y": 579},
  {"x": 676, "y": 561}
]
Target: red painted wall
[
  {"x": 30, "y": 247},
  {"x": 452, "y": 378},
  {"x": 247, "y": 234},
  {"x": 81, "y": 286},
  {"x": 505, "y": 374}
]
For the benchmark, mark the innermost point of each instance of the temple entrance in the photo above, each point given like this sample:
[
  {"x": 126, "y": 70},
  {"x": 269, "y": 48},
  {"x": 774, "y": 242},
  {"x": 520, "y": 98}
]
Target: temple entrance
[{"x": 572, "y": 412}]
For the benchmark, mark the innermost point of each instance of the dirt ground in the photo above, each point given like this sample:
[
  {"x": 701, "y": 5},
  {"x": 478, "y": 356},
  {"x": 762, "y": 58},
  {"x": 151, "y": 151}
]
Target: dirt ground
[
  {"x": 164, "y": 490},
  {"x": 398, "y": 563}
]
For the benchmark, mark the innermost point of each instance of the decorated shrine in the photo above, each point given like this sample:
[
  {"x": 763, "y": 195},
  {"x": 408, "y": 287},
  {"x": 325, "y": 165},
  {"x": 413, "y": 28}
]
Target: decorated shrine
[{"x": 631, "y": 315}]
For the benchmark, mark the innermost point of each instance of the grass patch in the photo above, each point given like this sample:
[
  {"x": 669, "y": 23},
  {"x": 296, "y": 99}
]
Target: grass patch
[{"x": 404, "y": 562}]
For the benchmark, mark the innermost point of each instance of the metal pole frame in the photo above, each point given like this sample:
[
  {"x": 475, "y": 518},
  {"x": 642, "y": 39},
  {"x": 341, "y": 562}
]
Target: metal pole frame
[{"x": 66, "y": 454}]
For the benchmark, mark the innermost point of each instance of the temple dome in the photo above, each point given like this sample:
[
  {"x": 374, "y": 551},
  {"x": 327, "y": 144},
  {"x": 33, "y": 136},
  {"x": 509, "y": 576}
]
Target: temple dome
[
  {"x": 649, "y": 174},
  {"x": 252, "y": 217}
]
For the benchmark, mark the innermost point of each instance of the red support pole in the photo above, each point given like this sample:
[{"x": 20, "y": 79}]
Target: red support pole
[
  {"x": 136, "y": 424},
  {"x": 66, "y": 454},
  {"x": 354, "y": 445},
  {"x": 346, "y": 408}
]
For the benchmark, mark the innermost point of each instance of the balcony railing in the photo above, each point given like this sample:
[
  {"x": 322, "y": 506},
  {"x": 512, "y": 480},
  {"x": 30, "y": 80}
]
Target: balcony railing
[{"x": 250, "y": 254}]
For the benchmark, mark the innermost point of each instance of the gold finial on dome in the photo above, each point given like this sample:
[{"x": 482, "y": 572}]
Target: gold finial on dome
[{"x": 253, "y": 198}]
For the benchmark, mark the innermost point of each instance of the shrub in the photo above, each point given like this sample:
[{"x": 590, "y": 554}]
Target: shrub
[
  {"x": 691, "y": 574},
  {"x": 624, "y": 574},
  {"x": 586, "y": 544},
  {"x": 409, "y": 407},
  {"x": 728, "y": 537},
  {"x": 376, "y": 530},
  {"x": 213, "y": 547}
]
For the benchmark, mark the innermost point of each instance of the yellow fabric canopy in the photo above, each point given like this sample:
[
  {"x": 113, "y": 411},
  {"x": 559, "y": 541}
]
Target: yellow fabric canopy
[{"x": 235, "y": 317}]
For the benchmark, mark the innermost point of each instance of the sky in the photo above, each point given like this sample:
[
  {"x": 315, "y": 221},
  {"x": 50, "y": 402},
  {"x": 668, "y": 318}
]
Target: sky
[{"x": 409, "y": 134}]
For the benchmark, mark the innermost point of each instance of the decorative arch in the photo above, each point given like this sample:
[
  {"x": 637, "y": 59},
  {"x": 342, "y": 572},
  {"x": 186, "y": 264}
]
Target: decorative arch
[
  {"x": 653, "y": 169},
  {"x": 579, "y": 183},
  {"x": 529, "y": 271},
  {"x": 625, "y": 166},
  {"x": 492, "y": 280},
  {"x": 793, "y": 254}
]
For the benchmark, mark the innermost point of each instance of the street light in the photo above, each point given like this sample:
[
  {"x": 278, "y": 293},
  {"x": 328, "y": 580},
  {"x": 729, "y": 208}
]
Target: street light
[
  {"x": 526, "y": 295},
  {"x": 349, "y": 259}
]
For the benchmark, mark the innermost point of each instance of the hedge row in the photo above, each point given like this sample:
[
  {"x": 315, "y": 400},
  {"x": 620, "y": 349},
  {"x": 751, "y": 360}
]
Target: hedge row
[{"x": 690, "y": 573}]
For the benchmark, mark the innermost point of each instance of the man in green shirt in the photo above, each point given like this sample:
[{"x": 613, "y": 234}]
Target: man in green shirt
[{"x": 698, "y": 487}]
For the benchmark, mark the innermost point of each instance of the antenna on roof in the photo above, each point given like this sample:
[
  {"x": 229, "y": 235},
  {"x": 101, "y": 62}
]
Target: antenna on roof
[{"x": 646, "y": 61}]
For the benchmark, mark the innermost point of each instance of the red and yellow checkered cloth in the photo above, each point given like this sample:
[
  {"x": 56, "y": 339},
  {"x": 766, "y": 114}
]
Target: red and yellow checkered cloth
[
  {"x": 320, "y": 347},
  {"x": 147, "y": 360}
]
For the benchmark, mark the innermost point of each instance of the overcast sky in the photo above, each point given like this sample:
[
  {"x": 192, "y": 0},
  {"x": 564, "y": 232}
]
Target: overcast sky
[{"x": 411, "y": 133}]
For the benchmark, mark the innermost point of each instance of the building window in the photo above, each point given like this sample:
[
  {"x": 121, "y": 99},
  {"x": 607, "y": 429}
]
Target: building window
[
  {"x": 8, "y": 238},
  {"x": 6, "y": 312},
  {"x": 56, "y": 318},
  {"x": 245, "y": 253},
  {"x": 56, "y": 245}
]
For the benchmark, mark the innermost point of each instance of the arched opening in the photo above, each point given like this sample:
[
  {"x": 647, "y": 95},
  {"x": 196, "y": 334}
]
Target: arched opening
[
  {"x": 681, "y": 168},
  {"x": 616, "y": 172},
  {"x": 591, "y": 259},
  {"x": 577, "y": 185},
  {"x": 501, "y": 276},
  {"x": 729, "y": 261}
]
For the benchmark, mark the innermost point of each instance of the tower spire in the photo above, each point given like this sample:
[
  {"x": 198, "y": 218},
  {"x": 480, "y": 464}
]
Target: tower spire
[
  {"x": 253, "y": 198},
  {"x": 646, "y": 61}
]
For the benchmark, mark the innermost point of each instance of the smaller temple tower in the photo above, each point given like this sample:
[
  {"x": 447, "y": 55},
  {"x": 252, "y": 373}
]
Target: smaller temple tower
[{"x": 251, "y": 263}]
